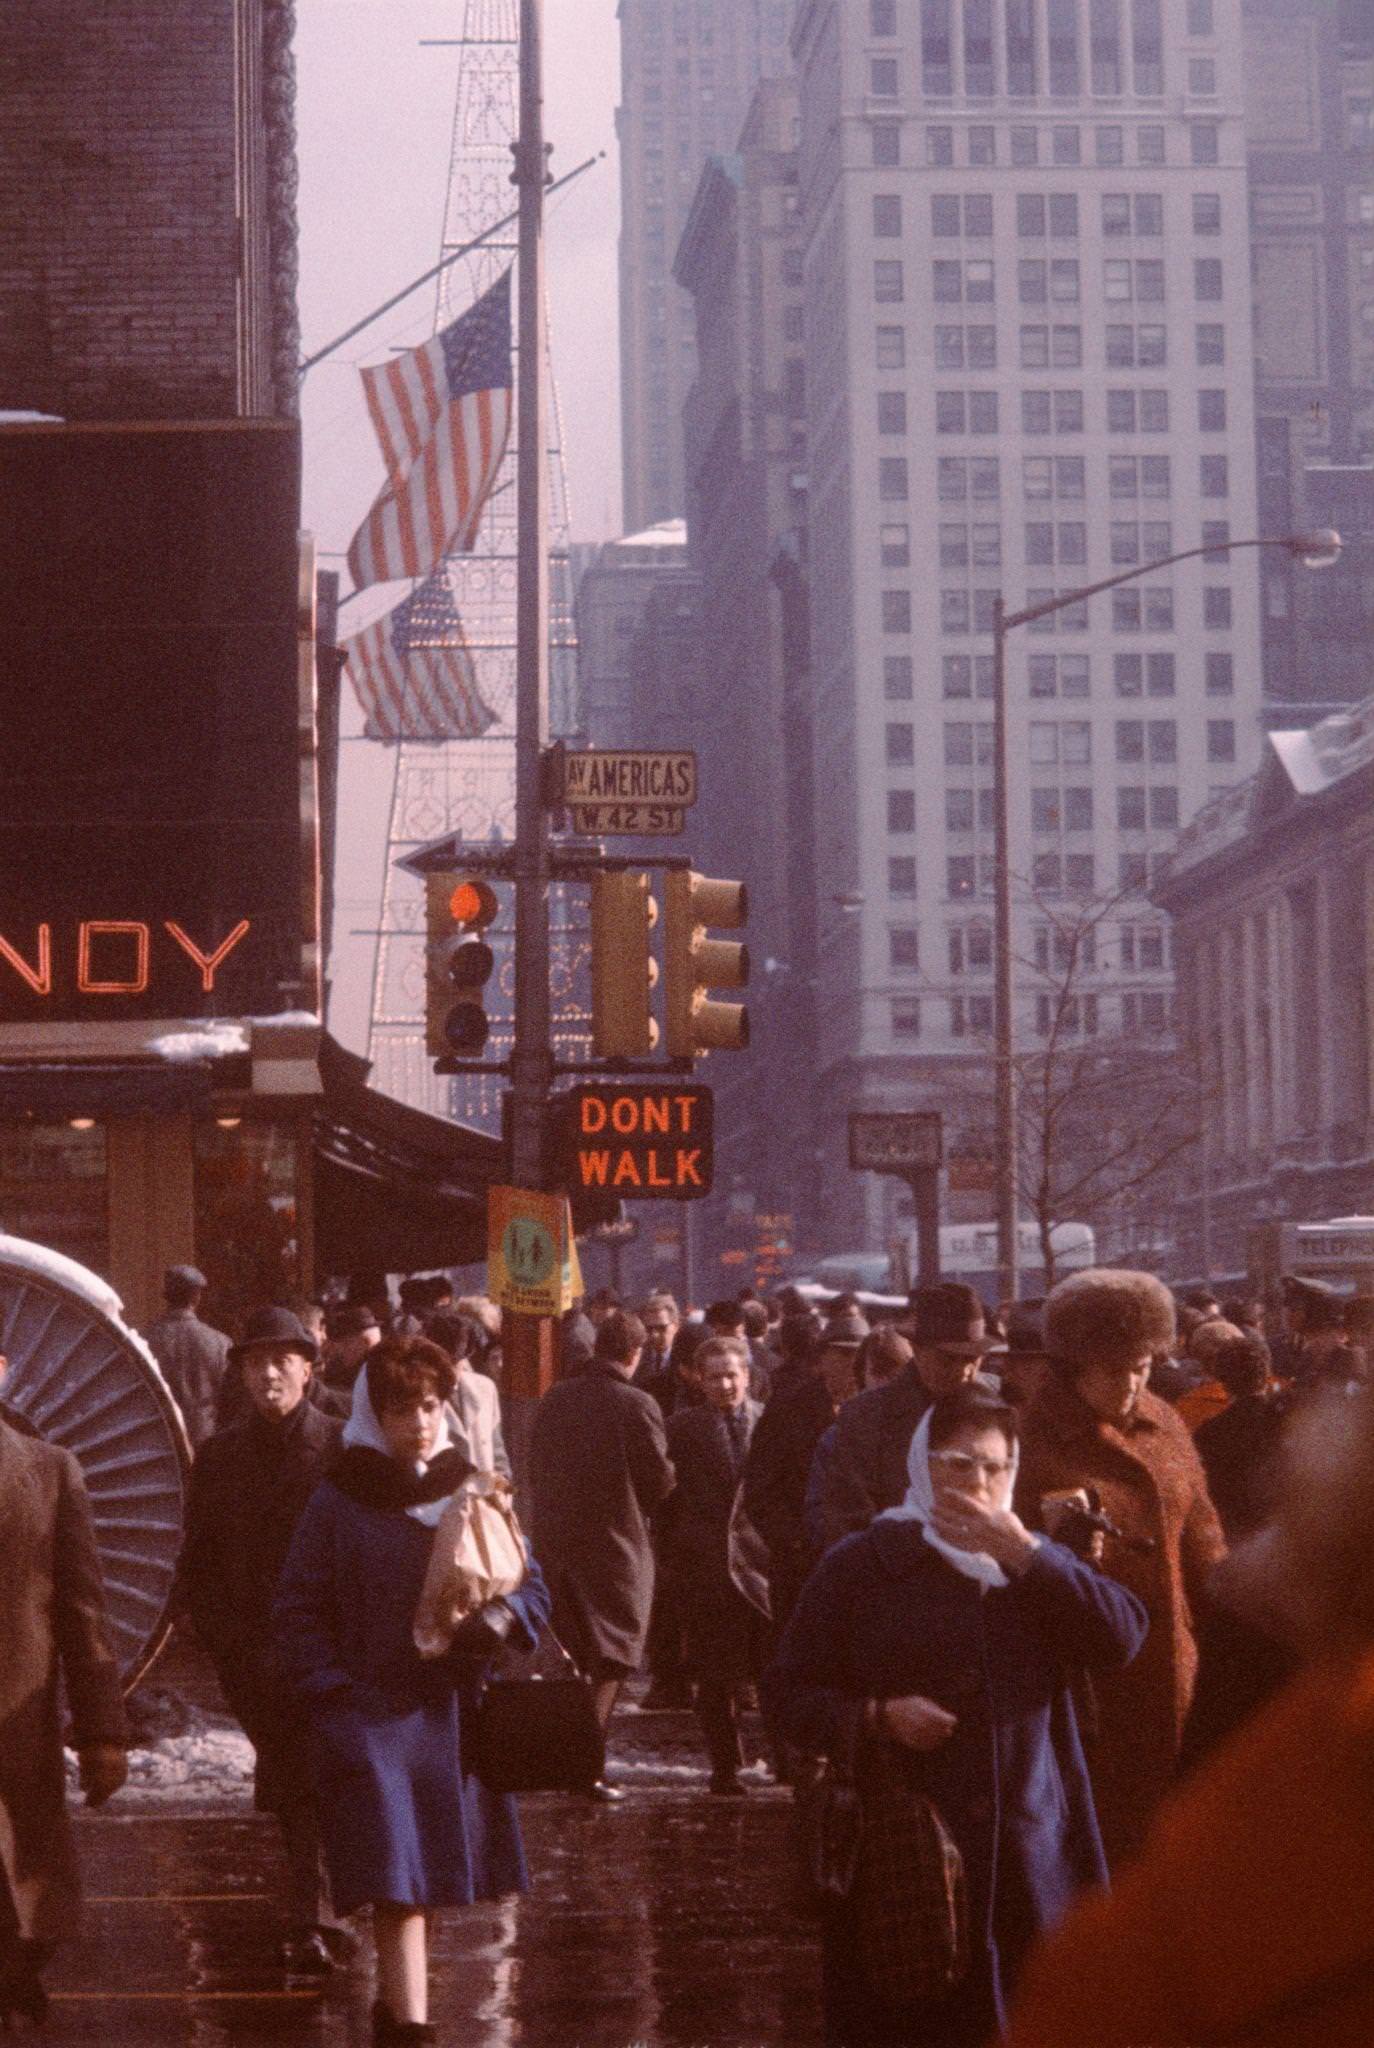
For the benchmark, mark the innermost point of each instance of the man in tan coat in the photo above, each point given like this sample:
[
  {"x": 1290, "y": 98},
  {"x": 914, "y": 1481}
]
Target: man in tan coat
[{"x": 52, "y": 1624}]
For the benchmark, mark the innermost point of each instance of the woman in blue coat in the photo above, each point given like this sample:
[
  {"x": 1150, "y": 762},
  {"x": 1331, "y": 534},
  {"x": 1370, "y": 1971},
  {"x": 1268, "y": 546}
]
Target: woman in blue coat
[
  {"x": 405, "y": 1827},
  {"x": 948, "y": 1631}
]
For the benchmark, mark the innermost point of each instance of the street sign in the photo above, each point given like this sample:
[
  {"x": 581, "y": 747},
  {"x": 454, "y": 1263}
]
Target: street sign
[
  {"x": 629, "y": 795},
  {"x": 898, "y": 1141},
  {"x": 641, "y": 1140},
  {"x": 530, "y": 1252}
]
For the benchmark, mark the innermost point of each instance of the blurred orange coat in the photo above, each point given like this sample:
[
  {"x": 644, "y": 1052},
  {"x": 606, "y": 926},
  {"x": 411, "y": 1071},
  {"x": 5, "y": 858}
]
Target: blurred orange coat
[
  {"x": 1200, "y": 1404},
  {"x": 1249, "y": 1919}
]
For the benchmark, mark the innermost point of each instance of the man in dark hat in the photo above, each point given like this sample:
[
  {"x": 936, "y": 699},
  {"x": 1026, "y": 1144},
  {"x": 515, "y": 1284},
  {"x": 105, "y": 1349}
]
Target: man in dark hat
[
  {"x": 191, "y": 1353},
  {"x": 867, "y": 1469},
  {"x": 353, "y": 1332},
  {"x": 249, "y": 1487},
  {"x": 1023, "y": 1364},
  {"x": 1318, "y": 1353}
]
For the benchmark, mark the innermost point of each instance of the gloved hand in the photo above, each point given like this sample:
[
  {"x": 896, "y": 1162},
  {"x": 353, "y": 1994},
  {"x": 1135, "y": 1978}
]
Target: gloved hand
[
  {"x": 482, "y": 1633},
  {"x": 102, "y": 1771}
]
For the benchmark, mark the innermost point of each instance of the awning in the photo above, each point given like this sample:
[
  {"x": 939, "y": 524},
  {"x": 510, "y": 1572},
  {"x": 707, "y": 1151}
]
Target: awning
[
  {"x": 398, "y": 1190},
  {"x": 53, "y": 1090}
]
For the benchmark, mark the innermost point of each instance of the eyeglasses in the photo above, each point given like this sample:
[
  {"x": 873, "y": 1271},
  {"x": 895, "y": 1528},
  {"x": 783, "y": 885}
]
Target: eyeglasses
[{"x": 963, "y": 1465}]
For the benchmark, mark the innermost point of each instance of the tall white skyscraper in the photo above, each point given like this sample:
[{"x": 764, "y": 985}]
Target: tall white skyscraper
[{"x": 1029, "y": 364}]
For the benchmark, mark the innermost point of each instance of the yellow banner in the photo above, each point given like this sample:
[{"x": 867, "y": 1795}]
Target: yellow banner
[{"x": 532, "y": 1267}]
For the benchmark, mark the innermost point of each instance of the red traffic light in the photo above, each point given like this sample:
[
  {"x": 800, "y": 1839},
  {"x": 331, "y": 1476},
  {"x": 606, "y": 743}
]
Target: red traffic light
[{"x": 473, "y": 903}]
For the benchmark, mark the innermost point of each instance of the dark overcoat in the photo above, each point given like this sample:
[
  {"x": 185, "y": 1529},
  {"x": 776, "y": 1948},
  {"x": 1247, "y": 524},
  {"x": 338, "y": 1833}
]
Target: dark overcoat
[
  {"x": 865, "y": 1472},
  {"x": 775, "y": 1476},
  {"x": 599, "y": 1470},
  {"x": 52, "y": 1626},
  {"x": 249, "y": 1487},
  {"x": 400, "y": 1817},
  {"x": 884, "y": 1616},
  {"x": 722, "y": 1628},
  {"x": 194, "y": 1358},
  {"x": 1152, "y": 1486}
]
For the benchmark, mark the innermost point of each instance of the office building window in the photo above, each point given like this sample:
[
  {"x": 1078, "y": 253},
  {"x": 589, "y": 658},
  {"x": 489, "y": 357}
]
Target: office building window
[
  {"x": 898, "y": 678},
  {"x": 1200, "y": 22},
  {"x": 1025, "y": 146},
  {"x": 981, "y": 343},
  {"x": 1133, "y": 879},
  {"x": 1080, "y": 878},
  {"x": 978, "y": 215},
  {"x": 958, "y": 810},
  {"x": 1116, "y": 213},
  {"x": 1220, "y": 673},
  {"x": 1031, "y": 215},
  {"x": 1066, "y": 348},
  {"x": 1035, "y": 348},
  {"x": 954, "y": 611},
  {"x": 901, "y": 874},
  {"x": 1206, "y": 213},
  {"x": 891, "y": 348},
  {"x": 1149, "y": 145},
  {"x": 1216, "y": 607},
  {"x": 957, "y": 674},
  {"x": 1164, "y": 808},
  {"x": 1104, "y": 42},
  {"x": 1032, "y": 281},
  {"x": 959, "y": 744},
  {"x": 896, "y": 606},
  {"x": 1045, "y": 810},
  {"x": 987, "y": 547},
  {"x": 982, "y": 145},
  {"x": 1205, "y": 142},
  {"x": 1043, "y": 675},
  {"x": 882, "y": 17},
  {"x": 1211, "y": 412},
  {"x": 1130, "y": 739},
  {"x": 1163, "y": 741},
  {"x": 887, "y": 215},
  {"x": 1063, "y": 48},
  {"x": 960, "y": 875},
  {"x": 978, "y": 53},
  {"x": 894, "y": 546},
  {"x": 984, "y": 476},
  {"x": 1130, "y": 815},
  {"x": 1110, "y": 146},
  {"x": 889, "y": 288},
  {"x": 1064, "y": 281},
  {"x": 1128, "y": 671},
  {"x": 1021, "y": 53},
  {"x": 906, "y": 1016},
  {"x": 1211, "y": 346},
  {"x": 892, "y": 412},
  {"x": 1066, "y": 146},
  {"x": 1078, "y": 810},
  {"x": 951, "y": 479},
  {"x": 939, "y": 144},
  {"x": 1221, "y": 739},
  {"x": 947, "y": 281},
  {"x": 904, "y": 947},
  {"x": 949, "y": 348},
  {"x": 1047, "y": 873},
  {"x": 945, "y": 215},
  {"x": 892, "y": 479},
  {"x": 1159, "y": 673},
  {"x": 1214, "y": 476},
  {"x": 887, "y": 144},
  {"x": 883, "y": 78},
  {"x": 1215, "y": 534},
  {"x": 1147, "y": 46},
  {"x": 954, "y": 546},
  {"x": 901, "y": 745},
  {"x": 1207, "y": 277},
  {"x": 1074, "y": 675},
  {"x": 937, "y": 48},
  {"x": 901, "y": 811},
  {"x": 1036, "y": 413},
  {"x": 1154, "y": 419}
]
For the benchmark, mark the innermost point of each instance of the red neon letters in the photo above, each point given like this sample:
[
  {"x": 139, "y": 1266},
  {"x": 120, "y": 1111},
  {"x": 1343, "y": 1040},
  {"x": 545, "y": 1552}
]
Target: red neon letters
[{"x": 114, "y": 956}]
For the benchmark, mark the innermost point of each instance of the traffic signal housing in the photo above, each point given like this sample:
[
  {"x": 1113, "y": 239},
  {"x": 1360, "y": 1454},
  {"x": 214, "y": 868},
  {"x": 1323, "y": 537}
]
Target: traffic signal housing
[
  {"x": 624, "y": 970},
  {"x": 459, "y": 963},
  {"x": 693, "y": 963}
]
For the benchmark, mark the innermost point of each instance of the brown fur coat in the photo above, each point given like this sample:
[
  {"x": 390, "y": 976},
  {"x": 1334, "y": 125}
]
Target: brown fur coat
[{"x": 1152, "y": 1485}]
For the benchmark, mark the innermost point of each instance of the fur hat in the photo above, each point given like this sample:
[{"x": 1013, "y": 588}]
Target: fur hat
[{"x": 1107, "y": 1316}]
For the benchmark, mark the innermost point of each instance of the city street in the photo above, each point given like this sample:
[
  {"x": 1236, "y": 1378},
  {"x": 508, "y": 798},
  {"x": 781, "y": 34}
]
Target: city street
[{"x": 658, "y": 1922}]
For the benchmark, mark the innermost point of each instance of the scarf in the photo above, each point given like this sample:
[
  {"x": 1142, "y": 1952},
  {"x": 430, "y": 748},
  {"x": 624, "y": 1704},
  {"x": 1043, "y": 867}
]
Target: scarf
[
  {"x": 368, "y": 1473},
  {"x": 919, "y": 1505}
]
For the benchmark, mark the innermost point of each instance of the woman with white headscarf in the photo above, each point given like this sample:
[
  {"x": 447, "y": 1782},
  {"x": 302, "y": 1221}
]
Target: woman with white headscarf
[
  {"x": 939, "y": 1643},
  {"x": 406, "y": 1829}
]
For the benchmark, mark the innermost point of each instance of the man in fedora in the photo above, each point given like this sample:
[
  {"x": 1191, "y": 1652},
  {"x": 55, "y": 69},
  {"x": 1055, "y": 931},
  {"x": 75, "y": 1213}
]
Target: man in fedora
[
  {"x": 867, "y": 1469},
  {"x": 192, "y": 1354},
  {"x": 249, "y": 1487}
]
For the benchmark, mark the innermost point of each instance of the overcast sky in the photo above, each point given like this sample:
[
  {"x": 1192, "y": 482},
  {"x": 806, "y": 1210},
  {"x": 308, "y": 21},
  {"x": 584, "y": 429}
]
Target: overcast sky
[{"x": 375, "y": 120}]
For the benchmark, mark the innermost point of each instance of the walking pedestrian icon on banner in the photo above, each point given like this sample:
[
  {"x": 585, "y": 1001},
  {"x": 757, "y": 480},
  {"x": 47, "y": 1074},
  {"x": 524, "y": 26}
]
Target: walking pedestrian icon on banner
[
  {"x": 531, "y": 1257},
  {"x": 528, "y": 1250}
]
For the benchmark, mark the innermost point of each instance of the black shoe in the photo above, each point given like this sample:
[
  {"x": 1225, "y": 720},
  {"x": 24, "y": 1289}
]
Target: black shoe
[
  {"x": 602, "y": 1794},
  {"x": 727, "y": 1785},
  {"x": 390, "y": 2033},
  {"x": 305, "y": 1953}
]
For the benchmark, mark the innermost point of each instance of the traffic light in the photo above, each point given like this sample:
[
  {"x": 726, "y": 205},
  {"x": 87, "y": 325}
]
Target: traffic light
[
  {"x": 693, "y": 963},
  {"x": 459, "y": 964},
  {"x": 624, "y": 970}
]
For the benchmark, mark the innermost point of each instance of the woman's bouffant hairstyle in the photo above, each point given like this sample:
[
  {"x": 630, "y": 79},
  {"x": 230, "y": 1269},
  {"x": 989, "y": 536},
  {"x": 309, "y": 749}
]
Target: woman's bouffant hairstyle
[
  {"x": 971, "y": 1408},
  {"x": 404, "y": 1369},
  {"x": 1107, "y": 1316}
]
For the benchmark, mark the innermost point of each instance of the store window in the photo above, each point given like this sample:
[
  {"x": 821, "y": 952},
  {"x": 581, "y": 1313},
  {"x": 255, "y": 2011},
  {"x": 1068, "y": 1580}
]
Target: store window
[
  {"x": 247, "y": 1181},
  {"x": 53, "y": 1177}
]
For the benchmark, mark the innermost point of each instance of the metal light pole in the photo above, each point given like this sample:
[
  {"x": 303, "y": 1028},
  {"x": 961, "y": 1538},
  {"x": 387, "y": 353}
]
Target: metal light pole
[
  {"x": 532, "y": 1058},
  {"x": 1317, "y": 551}
]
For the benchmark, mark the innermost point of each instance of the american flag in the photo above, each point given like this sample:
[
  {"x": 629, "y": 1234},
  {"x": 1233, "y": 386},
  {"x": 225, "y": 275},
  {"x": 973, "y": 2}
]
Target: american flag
[
  {"x": 414, "y": 674},
  {"x": 442, "y": 415}
]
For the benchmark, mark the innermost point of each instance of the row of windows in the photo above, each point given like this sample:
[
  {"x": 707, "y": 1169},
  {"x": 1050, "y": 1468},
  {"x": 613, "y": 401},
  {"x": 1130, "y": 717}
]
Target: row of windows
[
  {"x": 1058, "y": 346},
  {"x": 1062, "y": 144},
  {"x": 1067, "y": 742},
  {"x": 971, "y": 280},
  {"x": 970, "y": 875},
  {"x": 1046, "y": 478},
  {"x": 1147, "y": 608},
  {"x": 1052, "y": 412},
  {"x": 1102, "y": 62},
  {"x": 1068, "y": 677},
  {"x": 1144, "y": 1014},
  {"x": 1040, "y": 215}
]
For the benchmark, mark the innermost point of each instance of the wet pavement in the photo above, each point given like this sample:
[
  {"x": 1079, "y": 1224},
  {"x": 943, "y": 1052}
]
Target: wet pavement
[{"x": 660, "y": 1922}]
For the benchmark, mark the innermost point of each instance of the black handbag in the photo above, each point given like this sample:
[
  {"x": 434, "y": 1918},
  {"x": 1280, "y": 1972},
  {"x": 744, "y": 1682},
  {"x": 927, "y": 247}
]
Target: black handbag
[
  {"x": 827, "y": 1827},
  {"x": 538, "y": 1733}
]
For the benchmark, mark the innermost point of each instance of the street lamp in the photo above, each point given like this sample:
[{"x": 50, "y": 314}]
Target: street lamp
[{"x": 1315, "y": 551}]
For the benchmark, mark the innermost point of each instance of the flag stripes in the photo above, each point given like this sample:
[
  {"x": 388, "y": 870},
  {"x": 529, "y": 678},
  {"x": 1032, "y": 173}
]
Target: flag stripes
[{"x": 414, "y": 674}]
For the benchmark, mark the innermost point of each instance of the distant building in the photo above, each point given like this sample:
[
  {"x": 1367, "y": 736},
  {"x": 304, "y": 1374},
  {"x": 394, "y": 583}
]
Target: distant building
[
  {"x": 1309, "y": 118},
  {"x": 614, "y": 587},
  {"x": 753, "y": 723},
  {"x": 1271, "y": 890},
  {"x": 688, "y": 72},
  {"x": 1028, "y": 364}
]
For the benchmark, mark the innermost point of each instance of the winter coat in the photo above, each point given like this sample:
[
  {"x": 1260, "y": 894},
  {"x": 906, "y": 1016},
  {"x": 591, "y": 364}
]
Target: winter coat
[
  {"x": 865, "y": 1474},
  {"x": 722, "y": 1629},
  {"x": 775, "y": 1476},
  {"x": 249, "y": 1488},
  {"x": 477, "y": 1404},
  {"x": 1249, "y": 1919},
  {"x": 52, "y": 1625},
  {"x": 193, "y": 1358},
  {"x": 599, "y": 1470},
  {"x": 884, "y": 1616},
  {"x": 400, "y": 1817},
  {"x": 1152, "y": 1486},
  {"x": 1240, "y": 1452}
]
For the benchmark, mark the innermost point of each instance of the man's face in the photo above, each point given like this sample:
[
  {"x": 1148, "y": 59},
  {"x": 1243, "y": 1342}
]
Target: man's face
[
  {"x": 724, "y": 1381},
  {"x": 839, "y": 1368},
  {"x": 354, "y": 1348},
  {"x": 661, "y": 1326},
  {"x": 275, "y": 1377},
  {"x": 944, "y": 1370},
  {"x": 1112, "y": 1391}
]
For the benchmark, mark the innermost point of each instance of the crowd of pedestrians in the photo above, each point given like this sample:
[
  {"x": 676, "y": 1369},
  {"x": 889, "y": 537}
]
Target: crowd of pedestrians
[{"x": 1032, "y": 1601}]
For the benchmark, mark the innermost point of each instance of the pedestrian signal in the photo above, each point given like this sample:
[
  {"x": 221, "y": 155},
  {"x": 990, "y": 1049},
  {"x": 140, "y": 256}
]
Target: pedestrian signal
[
  {"x": 694, "y": 962},
  {"x": 624, "y": 971},
  {"x": 459, "y": 964}
]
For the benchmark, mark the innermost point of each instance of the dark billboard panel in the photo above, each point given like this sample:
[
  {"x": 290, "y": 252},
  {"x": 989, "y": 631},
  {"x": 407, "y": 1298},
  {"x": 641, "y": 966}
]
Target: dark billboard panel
[{"x": 150, "y": 816}]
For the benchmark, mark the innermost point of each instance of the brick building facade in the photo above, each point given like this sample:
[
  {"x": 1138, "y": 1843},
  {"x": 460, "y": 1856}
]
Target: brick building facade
[{"x": 147, "y": 182}]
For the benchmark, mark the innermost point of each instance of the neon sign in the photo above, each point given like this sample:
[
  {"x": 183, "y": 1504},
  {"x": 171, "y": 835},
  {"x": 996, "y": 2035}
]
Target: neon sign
[{"x": 114, "y": 956}]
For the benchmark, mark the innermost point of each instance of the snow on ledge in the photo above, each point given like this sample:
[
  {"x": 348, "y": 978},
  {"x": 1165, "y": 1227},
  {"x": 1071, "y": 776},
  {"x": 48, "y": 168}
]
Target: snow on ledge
[{"x": 201, "y": 1042}]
